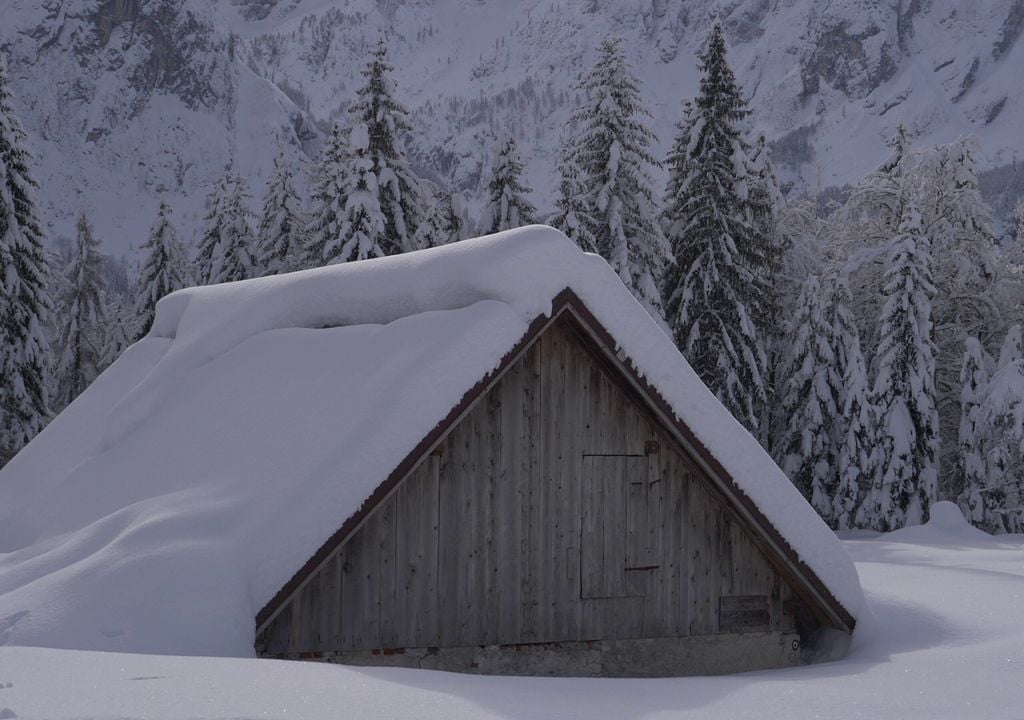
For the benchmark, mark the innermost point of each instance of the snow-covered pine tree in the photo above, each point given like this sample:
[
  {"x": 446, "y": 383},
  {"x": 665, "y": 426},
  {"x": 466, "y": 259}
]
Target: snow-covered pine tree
[
  {"x": 25, "y": 304},
  {"x": 1003, "y": 411},
  {"x": 164, "y": 270},
  {"x": 210, "y": 246},
  {"x": 121, "y": 331},
  {"x": 402, "y": 198},
  {"x": 240, "y": 247},
  {"x": 959, "y": 227},
  {"x": 805, "y": 232},
  {"x": 445, "y": 222},
  {"x": 865, "y": 228},
  {"x": 612, "y": 152},
  {"x": 942, "y": 182},
  {"x": 328, "y": 197},
  {"x": 904, "y": 390},
  {"x": 359, "y": 230},
  {"x": 572, "y": 217},
  {"x": 508, "y": 206},
  {"x": 715, "y": 290},
  {"x": 853, "y": 431},
  {"x": 280, "y": 240},
  {"x": 83, "y": 318},
  {"x": 974, "y": 436},
  {"x": 226, "y": 247},
  {"x": 809, "y": 402},
  {"x": 765, "y": 202}
]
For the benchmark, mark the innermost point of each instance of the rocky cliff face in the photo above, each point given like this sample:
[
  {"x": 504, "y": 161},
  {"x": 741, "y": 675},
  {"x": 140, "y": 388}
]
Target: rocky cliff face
[{"x": 130, "y": 100}]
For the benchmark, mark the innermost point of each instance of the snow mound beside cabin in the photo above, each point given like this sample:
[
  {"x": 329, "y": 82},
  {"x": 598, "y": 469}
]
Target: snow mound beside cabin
[{"x": 171, "y": 501}]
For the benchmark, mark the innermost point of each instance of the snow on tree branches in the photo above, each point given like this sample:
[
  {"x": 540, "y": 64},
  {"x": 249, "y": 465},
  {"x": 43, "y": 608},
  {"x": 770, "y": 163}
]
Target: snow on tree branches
[
  {"x": 24, "y": 301},
  {"x": 83, "y": 317},
  {"x": 716, "y": 293},
  {"x": 854, "y": 431},
  {"x": 445, "y": 221},
  {"x": 908, "y": 431},
  {"x": 164, "y": 270},
  {"x": 349, "y": 222},
  {"x": 975, "y": 435},
  {"x": 572, "y": 217},
  {"x": 508, "y": 206},
  {"x": 809, "y": 402},
  {"x": 227, "y": 245},
  {"x": 1003, "y": 413},
  {"x": 280, "y": 239},
  {"x": 611, "y": 149},
  {"x": 401, "y": 197}
]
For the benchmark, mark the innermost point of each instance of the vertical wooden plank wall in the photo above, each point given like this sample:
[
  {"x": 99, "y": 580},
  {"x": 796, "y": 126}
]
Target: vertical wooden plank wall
[{"x": 556, "y": 510}]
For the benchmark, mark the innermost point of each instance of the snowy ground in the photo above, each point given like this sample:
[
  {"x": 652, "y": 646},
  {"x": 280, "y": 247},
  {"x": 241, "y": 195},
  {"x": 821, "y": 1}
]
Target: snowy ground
[{"x": 943, "y": 638}]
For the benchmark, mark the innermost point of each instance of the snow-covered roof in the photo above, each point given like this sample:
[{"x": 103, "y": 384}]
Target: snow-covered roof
[{"x": 169, "y": 503}]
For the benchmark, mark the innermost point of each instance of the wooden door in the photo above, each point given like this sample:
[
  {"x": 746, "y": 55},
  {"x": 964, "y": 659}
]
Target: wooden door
[{"x": 614, "y": 541}]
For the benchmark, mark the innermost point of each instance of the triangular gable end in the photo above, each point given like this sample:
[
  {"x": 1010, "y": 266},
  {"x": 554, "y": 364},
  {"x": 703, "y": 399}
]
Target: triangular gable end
[{"x": 568, "y": 308}]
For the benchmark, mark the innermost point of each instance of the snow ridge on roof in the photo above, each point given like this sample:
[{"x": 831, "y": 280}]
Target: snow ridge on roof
[{"x": 172, "y": 500}]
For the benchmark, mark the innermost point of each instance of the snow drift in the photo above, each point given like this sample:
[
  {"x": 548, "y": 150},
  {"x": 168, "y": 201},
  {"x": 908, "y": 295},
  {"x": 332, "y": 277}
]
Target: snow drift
[{"x": 168, "y": 504}]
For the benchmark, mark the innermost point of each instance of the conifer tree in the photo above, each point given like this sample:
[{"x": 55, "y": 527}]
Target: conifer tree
[
  {"x": 402, "y": 198},
  {"x": 905, "y": 386},
  {"x": 974, "y": 437},
  {"x": 210, "y": 246},
  {"x": 164, "y": 270},
  {"x": 122, "y": 329},
  {"x": 765, "y": 202},
  {"x": 870, "y": 220},
  {"x": 764, "y": 199},
  {"x": 225, "y": 251},
  {"x": 280, "y": 240},
  {"x": 24, "y": 300},
  {"x": 854, "y": 429},
  {"x": 444, "y": 222},
  {"x": 355, "y": 230},
  {"x": 858, "y": 457},
  {"x": 328, "y": 197},
  {"x": 83, "y": 318},
  {"x": 508, "y": 206},
  {"x": 809, "y": 401},
  {"x": 571, "y": 217},
  {"x": 963, "y": 247},
  {"x": 715, "y": 292},
  {"x": 612, "y": 151},
  {"x": 968, "y": 293},
  {"x": 1004, "y": 413}
]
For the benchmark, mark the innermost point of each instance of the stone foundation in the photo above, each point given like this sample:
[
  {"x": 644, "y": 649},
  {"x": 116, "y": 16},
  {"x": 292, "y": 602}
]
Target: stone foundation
[{"x": 647, "y": 657}]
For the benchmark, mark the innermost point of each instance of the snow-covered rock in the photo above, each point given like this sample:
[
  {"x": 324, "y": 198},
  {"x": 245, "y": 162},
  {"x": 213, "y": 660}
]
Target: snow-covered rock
[{"x": 175, "y": 496}]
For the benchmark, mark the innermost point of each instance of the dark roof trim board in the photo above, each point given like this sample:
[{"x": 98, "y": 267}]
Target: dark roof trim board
[{"x": 803, "y": 580}]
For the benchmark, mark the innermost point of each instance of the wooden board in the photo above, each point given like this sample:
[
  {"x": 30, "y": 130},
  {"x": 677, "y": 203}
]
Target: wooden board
[{"x": 744, "y": 613}]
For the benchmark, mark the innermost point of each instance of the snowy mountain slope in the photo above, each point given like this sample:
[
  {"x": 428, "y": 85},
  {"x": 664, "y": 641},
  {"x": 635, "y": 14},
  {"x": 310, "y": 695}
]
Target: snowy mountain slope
[
  {"x": 155, "y": 96},
  {"x": 942, "y": 641}
]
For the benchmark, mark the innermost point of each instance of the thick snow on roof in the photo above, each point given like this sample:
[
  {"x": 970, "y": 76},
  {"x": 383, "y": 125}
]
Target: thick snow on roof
[{"x": 172, "y": 500}]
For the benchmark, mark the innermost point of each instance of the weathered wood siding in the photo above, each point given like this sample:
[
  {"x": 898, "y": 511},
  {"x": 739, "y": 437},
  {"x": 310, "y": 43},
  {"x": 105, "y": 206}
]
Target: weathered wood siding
[{"x": 556, "y": 510}]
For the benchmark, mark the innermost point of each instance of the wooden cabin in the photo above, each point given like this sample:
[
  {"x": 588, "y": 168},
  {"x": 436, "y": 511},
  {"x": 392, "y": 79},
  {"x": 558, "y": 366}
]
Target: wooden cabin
[{"x": 560, "y": 520}]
